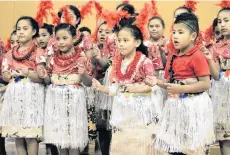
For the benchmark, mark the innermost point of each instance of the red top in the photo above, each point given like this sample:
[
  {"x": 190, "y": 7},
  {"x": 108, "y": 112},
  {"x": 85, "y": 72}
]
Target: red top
[
  {"x": 154, "y": 52},
  {"x": 221, "y": 54},
  {"x": 31, "y": 62},
  {"x": 69, "y": 64},
  {"x": 190, "y": 64}
]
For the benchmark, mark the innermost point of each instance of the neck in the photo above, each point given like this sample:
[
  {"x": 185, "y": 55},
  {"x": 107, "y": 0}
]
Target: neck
[
  {"x": 25, "y": 45},
  {"x": 181, "y": 51},
  {"x": 154, "y": 39},
  {"x": 227, "y": 37},
  {"x": 130, "y": 56},
  {"x": 69, "y": 51}
]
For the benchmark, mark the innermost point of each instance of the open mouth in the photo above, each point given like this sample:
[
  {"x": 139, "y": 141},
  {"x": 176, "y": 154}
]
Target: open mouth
[{"x": 102, "y": 38}]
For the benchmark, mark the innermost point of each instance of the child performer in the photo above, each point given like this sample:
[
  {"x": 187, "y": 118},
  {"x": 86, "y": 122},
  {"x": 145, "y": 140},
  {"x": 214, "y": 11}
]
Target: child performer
[
  {"x": 22, "y": 111},
  {"x": 45, "y": 34},
  {"x": 133, "y": 113},
  {"x": 65, "y": 123},
  {"x": 219, "y": 62},
  {"x": 157, "y": 44},
  {"x": 187, "y": 122}
]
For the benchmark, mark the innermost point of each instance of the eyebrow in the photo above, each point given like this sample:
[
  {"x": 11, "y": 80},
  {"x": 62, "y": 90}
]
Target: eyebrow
[{"x": 225, "y": 17}]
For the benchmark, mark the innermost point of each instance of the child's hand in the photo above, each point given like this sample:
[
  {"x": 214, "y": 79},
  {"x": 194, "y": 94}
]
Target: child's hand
[
  {"x": 81, "y": 69},
  {"x": 96, "y": 84},
  {"x": 25, "y": 71},
  {"x": 6, "y": 76},
  {"x": 207, "y": 53},
  {"x": 151, "y": 81},
  {"x": 174, "y": 88},
  {"x": 42, "y": 73}
]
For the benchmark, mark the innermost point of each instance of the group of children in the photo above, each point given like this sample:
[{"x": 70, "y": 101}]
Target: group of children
[{"x": 139, "y": 96}]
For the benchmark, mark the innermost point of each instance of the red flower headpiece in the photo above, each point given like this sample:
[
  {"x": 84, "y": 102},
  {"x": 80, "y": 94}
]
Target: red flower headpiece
[
  {"x": 43, "y": 8},
  {"x": 86, "y": 9},
  {"x": 99, "y": 9},
  {"x": 142, "y": 20},
  {"x": 65, "y": 11},
  {"x": 224, "y": 4},
  {"x": 191, "y": 4},
  {"x": 154, "y": 10}
]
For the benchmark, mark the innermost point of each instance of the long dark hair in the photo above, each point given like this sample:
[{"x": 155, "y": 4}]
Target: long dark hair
[{"x": 136, "y": 33}]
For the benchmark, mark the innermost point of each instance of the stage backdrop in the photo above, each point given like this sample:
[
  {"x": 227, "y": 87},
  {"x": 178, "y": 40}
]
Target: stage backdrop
[{"x": 10, "y": 11}]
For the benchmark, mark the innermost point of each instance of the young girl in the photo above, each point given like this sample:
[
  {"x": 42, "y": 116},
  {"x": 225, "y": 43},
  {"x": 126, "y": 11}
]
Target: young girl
[
  {"x": 65, "y": 123},
  {"x": 2, "y": 90},
  {"x": 219, "y": 61},
  {"x": 13, "y": 39},
  {"x": 157, "y": 44},
  {"x": 22, "y": 111},
  {"x": 101, "y": 62},
  {"x": 187, "y": 121},
  {"x": 45, "y": 34},
  {"x": 133, "y": 113}
]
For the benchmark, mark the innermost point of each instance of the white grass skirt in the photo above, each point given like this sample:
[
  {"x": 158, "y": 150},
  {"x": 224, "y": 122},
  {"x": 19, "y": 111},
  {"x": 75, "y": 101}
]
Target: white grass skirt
[
  {"x": 106, "y": 101},
  {"x": 221, "y": 100},
  {"x": 132, "y": 110},
  {"x": 133, "y": 141},
  {"x": 98, "y": 99},
  {"x": 23, "y": 104},
  {"x": 66, "y": 122},
  {"x": 186, "y": 125}
]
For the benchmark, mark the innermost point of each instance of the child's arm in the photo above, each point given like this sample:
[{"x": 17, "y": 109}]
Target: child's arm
[
  {"x": 202, "y": 85},
  {"x": 97, "y": 85},
  {"x": 152, "y": 81},
  {"x": 214, "y": 66},
  {"x": 142, "y": 88},
  {"x": 3, "y": 89}
]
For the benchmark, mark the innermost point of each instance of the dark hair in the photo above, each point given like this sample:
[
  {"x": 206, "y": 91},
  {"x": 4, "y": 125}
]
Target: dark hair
[
  {"x": 159, "y": 18},
  {"x": 13, "y": 33},
  {"x": 214, "y": 24},
  {"x": 68, "y": 27},
  {"x": 126, "y": 21},
  {"x": 33, "y": 23},
  {"x": 190, "y": 20},
  {"x": 48, "y": 27},
  {"x": 223, "y": 9},
  {"x": 185, "y": 8},
  {"x": 75, "y": 11},
  {"x": 127, "y": 7},
  {"x": 85, "y": 29},
  {"x": 136, "y": 33}
]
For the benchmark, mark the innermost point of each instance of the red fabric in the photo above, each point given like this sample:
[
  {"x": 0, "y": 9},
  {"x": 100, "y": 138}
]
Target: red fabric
[
  {"x": 154, "y": 52},
  {"x": 144, "y": 68},
  {"x": 221, "y": 49},
  {"x": 30, "y": 64},
  {"x": 191, "y": 64}
]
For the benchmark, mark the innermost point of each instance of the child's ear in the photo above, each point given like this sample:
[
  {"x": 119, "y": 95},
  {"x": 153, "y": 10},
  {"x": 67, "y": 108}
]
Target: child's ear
[
  {"x": 34, "y": 32},
  {"x": 194, "y": 36},
  {"x": 74, "y": 39},
  {"x": 138, "y": 43}
]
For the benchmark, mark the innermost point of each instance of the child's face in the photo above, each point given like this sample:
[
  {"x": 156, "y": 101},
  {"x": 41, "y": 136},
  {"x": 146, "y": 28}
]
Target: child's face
[
  {"x": 155, "y": 29},
  {"x": 43, "y": 38},
  {"x": 13, "y": 40},
  {"x": 25, "y": 31},
  {"x": 65, "y": 41},
  {"x": 103, "y": 32},
  {"x": 126, "y": 42},
  {"x": 224, "y": 23},
  {"x": 182, "y": 36},
  {"x": 73, "y": 18},
  {"x": 179, "y": 11}
]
